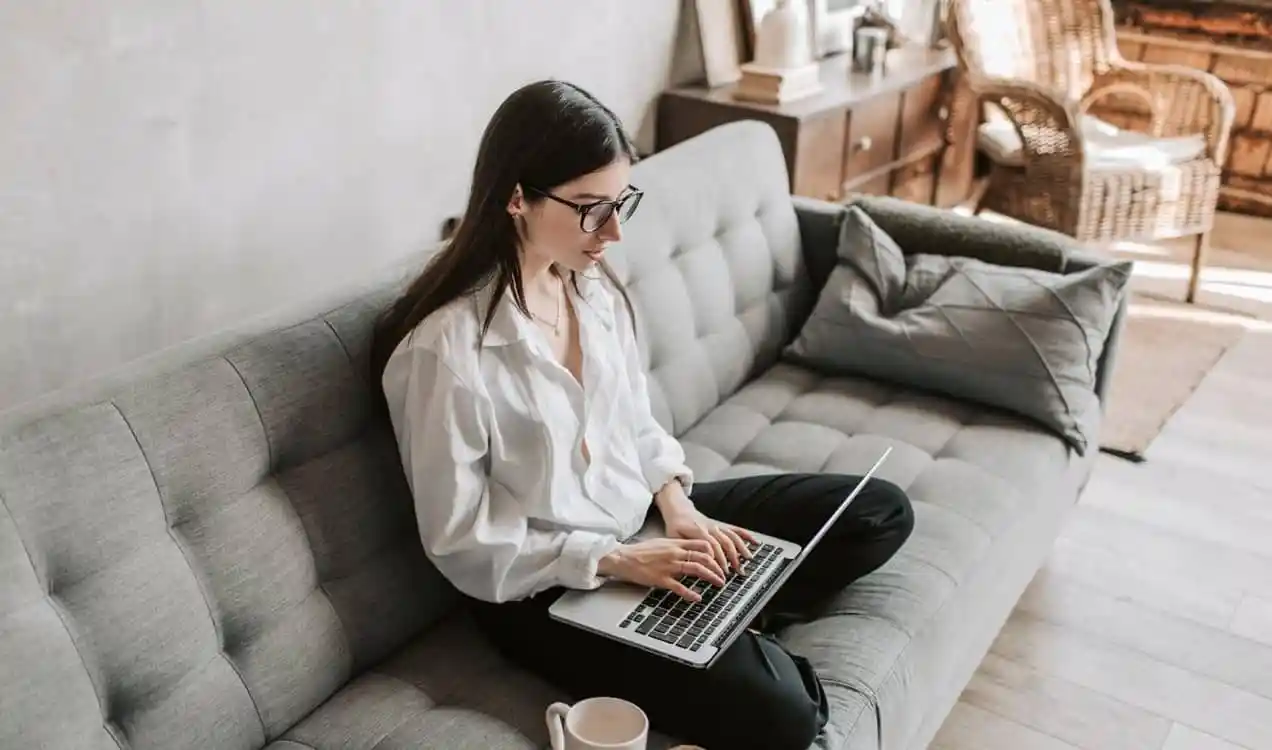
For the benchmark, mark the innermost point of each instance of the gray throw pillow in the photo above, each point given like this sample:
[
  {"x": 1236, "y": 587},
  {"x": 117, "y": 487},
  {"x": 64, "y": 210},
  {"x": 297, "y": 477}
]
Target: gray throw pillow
[{"x": 1020, "y": 339}]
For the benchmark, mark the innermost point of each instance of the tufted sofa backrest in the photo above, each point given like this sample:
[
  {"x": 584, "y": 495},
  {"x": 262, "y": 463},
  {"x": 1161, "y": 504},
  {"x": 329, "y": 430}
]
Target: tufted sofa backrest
[
  {"x": 203, "y": 550},
  {"x": 714, "y": 266},
  {"x": 210, "y": 551}
]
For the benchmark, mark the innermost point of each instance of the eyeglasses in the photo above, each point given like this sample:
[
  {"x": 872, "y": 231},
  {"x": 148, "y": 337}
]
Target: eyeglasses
[{"x": 593, "y": 216}]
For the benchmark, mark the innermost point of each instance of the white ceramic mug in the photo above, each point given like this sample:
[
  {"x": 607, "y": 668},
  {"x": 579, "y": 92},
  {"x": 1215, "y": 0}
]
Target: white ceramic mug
[{"x": 598, "y": 724}]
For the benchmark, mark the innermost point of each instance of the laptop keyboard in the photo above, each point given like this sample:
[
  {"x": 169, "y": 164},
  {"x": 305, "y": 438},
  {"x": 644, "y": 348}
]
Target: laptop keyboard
[{"x": 669, "y": 618}]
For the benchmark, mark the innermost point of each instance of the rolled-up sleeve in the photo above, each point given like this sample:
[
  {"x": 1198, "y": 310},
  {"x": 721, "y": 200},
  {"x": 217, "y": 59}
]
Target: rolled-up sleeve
[
  {"x": 471, "y": 528},
  {"x": 662, "y": 457}
]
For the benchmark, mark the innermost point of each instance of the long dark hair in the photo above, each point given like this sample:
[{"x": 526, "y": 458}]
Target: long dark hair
[{"x": 544, "y": 134}]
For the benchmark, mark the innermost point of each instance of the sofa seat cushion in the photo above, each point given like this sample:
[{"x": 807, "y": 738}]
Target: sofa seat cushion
[
  {"x": 448, "y": 688},
  {"x": 376, "y": 712},
  {"x": 973, "y": 474}
]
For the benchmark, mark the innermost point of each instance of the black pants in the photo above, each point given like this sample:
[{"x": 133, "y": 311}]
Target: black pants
[{"x": 756, "y": 695}]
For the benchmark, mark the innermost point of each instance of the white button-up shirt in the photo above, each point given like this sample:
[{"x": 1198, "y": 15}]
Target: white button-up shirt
[{"x": 491, "y": 438}]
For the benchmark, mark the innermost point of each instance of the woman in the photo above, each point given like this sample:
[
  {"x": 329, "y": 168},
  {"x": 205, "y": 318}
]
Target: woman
[{"x": 515, "y": 388}]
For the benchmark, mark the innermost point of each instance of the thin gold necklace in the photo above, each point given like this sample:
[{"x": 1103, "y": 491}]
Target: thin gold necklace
[{"x": 555, "y": 324}]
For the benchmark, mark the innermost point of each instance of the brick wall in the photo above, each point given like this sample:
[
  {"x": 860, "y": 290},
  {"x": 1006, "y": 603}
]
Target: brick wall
[{"x": 1233, "y": 41}]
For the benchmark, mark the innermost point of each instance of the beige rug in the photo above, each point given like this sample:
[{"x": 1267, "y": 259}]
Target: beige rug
[{"x": 1167, "y": 348}]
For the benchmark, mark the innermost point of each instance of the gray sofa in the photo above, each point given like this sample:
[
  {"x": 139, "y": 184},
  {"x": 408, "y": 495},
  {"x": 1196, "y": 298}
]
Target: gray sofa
[{"x": 216, "y": 548}]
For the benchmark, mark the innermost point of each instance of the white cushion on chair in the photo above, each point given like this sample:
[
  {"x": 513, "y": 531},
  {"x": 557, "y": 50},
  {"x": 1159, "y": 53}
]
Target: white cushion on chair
[{"x": 1108, "y": 146}]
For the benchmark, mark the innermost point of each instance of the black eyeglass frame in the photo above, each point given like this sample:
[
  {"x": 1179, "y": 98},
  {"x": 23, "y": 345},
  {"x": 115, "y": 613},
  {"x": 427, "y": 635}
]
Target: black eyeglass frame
[{"x": 634, "y": 193}]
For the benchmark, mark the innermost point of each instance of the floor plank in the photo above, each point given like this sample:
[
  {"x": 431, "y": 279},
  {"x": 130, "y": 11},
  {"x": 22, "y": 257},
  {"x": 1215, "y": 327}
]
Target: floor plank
[
  {"x": 1238, "y": 450},
  {"x": 1225, "y": 427},
  {"x": 1187, "y": 738},
  {"x": 1203, "y": 702},
  {"x": 971, "y": 728},
  {"x": 1196, "y": 561},
  {"x": 1107, "y": 569},
  {"x": 1082, "y": 717},
  {"x": 1234, "y": 392},
  {"x": 1254, "y": 619},
  {"x": 1204, "y": 505},
  {"x": 1203, "y": 650}
]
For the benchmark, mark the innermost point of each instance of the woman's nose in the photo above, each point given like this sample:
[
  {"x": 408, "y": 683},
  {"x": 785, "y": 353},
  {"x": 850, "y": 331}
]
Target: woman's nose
[{"x": 612, "y": 230}]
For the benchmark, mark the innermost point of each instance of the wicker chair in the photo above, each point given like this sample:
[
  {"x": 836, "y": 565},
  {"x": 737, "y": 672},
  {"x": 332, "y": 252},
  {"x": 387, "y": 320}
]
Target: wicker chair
[{"x": 1044, "y": 62}]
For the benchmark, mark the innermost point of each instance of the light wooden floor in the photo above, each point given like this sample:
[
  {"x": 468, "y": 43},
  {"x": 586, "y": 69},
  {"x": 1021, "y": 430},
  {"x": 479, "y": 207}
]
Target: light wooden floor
[{"x": 1150, "y": 626}]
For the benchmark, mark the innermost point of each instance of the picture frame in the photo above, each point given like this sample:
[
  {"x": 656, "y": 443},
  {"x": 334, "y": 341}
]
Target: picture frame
[{"x": 722, "y": 36}]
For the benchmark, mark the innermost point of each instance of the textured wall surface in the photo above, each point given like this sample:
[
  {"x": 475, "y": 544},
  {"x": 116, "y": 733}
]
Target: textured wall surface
[{"x": 171, "y": 168}]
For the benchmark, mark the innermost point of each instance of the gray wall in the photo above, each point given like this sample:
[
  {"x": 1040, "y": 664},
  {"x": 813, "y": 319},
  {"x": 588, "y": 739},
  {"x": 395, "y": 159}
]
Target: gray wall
[{"x": 171, "y": 167}]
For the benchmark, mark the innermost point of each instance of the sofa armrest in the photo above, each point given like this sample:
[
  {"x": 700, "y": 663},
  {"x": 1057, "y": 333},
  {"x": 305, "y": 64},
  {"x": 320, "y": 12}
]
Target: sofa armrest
[
  {"x": 918, "y": 228},
  {"x": 925, "y": 229},
  {"x": 1078, "y": 260},
  {"x": 819, "y": 233}
]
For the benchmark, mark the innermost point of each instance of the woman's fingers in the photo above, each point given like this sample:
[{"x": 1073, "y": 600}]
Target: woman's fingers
[
  {"x": 731, "y": 552},
  {"x": 681, "y": 590},
  {"x": 708, "y": 560},
  {"x": 696, "y": 545},
  {"x": 697, "y": 552},
  {"x": 704, "y": 572},
  {"x": 746, "y": 535},
  {"x": 744, "y": 551},
  {"x": 706, "y": 546},
  {"x": 718, "y": 550}
]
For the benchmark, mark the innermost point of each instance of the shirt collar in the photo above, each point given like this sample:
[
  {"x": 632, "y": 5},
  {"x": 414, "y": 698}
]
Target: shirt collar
[
  {"x": 593, "y": 302},
  {"x": 509, "y": 326}
]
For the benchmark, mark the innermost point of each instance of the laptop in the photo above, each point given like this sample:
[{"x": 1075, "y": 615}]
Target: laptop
[{"x": 694, "y": 633}]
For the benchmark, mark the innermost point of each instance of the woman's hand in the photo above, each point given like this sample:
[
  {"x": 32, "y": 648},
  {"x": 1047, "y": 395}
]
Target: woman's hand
[
  {"x": 661, "y": 563},
  {"x": 729, "y": 544}
]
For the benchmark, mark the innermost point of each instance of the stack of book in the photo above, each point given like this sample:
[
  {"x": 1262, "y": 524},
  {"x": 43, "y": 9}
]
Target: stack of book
[{"x": 775, "y": 85}]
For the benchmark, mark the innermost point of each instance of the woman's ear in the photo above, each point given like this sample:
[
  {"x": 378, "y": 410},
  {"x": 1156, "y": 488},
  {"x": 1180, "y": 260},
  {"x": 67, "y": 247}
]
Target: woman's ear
[
  {"x": 517, "y": 210},
  {"x": 516, "y": 204}
]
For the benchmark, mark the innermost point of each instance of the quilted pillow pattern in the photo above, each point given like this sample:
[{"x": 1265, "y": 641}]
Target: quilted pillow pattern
[{"x": 1020, "y": 339}]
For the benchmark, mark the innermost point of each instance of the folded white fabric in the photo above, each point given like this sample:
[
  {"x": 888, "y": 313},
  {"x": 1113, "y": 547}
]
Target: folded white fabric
[{"x": 1108, "y": 146}]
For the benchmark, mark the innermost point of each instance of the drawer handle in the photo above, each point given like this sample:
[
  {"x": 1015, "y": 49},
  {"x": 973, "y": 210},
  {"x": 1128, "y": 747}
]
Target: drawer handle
[{"x": 865, "y": 143}]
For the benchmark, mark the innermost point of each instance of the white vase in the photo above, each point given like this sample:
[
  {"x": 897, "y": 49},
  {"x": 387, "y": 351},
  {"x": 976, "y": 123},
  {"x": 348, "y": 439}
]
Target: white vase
[{"x": 782, "y": 39}]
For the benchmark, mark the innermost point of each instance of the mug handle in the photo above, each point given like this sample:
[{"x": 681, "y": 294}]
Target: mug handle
[{"x": 556, "y": 724}]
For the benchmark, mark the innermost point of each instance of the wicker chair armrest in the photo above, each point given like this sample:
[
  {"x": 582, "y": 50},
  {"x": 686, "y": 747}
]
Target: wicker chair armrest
[
  {"x": 1054, "y": 150},
  {"x": 1183, "y": 100},
  {"x": 1046, "y": 121}
]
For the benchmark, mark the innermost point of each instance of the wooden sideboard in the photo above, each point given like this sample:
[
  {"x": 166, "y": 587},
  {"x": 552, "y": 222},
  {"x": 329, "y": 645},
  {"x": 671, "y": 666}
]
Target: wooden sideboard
[{"x": 896, "y": 133}]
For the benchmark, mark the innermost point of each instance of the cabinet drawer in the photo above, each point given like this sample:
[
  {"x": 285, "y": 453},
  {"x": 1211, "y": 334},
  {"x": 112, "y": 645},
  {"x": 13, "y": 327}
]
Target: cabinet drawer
[
  {"x": 819, "y": 153},
  {"x": 916, "y": 181},
  {"x": 872, "y": 137},
  {"x": 924, "y": 115}
]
